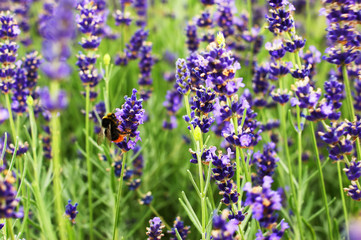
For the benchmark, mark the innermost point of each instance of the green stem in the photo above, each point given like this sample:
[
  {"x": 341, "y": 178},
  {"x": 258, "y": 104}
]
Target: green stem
[
  {"x": 250, "y": 20},
  {"x": 55, "y": 132},
  {"x": 323, "y": 188},
  {"x": 106, "y": 94},
  {"x": 88, "y": 160},
  {"x": 289, "y": 163},
  {"x": 199, "y": 147},
  {"x": 11, "y": 119},
  {"x": 44, "y": 219},
  {"x": 299, "y": 145},
  {"x": 202, "y": 195},
  {"x": 119, "y": 195},
  {"x": 349, "y": 101},
  {"x": 345, "y": 213},
  {"x": 9, "y": 229}
]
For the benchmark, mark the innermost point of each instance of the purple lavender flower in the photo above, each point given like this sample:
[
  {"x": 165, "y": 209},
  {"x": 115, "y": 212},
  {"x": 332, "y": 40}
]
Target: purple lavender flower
[
  {"x": 56, "y": 44},
  {"x": 281, "y": 96},
  {"x": 342, "y": 34},
  {"x": 71, "y": 212},
  {"x": 205, "y": 20},
  {"x": 208, "y": 2},
  {"x": 9, "y": 30},
  {"x": 135, "y": 43},
  {"x": 122, "y": 18},
  {"x": 203, "y": 101},
  {"x": 280, "y": 19},
  {"x": 321, "y": 111},
  {"x": 53, "y": 102},
  {"x": 141, "y": 8},
  {"x": 20, "y": 91},
  {"x": 154, "y": 232},
  {"x": 275, "y": 234},
  {"x": 353, "y": 171},
  {"x": 353, "y": 191},
  {"x": 217, "y": 68},
  {"x": 307, "y": 97},
  {"x": 182, "y": 77},
  {"x": 223, "y": 172},
  {"x": 223, "y": 230},
  {"x": 21, "y": 150},
  {"x": 224, "y": 18},
  {"x": 266, "y": 162},
  {"x": 4, "y": 115},
  {"x": 147, "y": 199},
  {"x": 295, "y": 45},
  {"x": 7, "y": 195},
  {"x": 32, "y": 63},
  {"x": 130, "y": 116},
  {"x": 276, "y": 49},
  {"x": 264, "y": 202},
  {"x": 182, "y": 230},
  {"x": 146, "y": 62},
  {"x": 192, "y": 38},
  {"x": 173, "y": 101}
]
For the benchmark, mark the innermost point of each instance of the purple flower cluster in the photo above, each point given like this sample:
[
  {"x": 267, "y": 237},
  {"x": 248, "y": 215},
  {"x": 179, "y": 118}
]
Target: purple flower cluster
[
  {"x": 147, "y": 199},
  {"x": 53, "y": 101},
  {"x": 20, "y": 91},
  {"x": 146, "y": 62},
  {"x": 266, "y": 162},
  {"x": 71, "y": 212},
  {"x": 182, "y": 230},
  {"x": 202, "y": 106},
  {"x": 57, "y": 40},
  {"x": 340, "y": 139},
  {"x": 8, "y": 200},
  {"x": 275, "y": 234},
  {"x": 223, "y": 171},
  {"x": 248, "y": 134},
  {"x": 172, "y": 103},
  {"x": 141, "y": 7},
  {"x": 183, "y": 77},
  {"x": 88, "y": 21},
  {"x": 261, "y": 85},
  {"x": 9, "y": 30},
  {"x": 342, "y": 34},
  {"x": 353, "y": 170},
  {"x": 154, "y": 232},
  {"x": 122, "y": 18},
  {"x": 217, "y": 68},
  {"x": 280, "y": 20},
  {"x": 223, "y": 229},
  {"x": 130, "y": 116},
  {"x": 354, "y": 191},
  {"x": 224, "y": 18},
  {"x": 32, "y": 63},
  {"x": 264, "y": 202},
  {"x": 192, "y": 37},
  {"x": 22, "y": 10}
]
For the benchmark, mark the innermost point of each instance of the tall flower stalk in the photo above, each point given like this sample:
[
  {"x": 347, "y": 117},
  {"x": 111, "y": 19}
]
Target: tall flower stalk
[
  {"x": 54, "y": 99},
  {"x": 129, "y": 117},
  {"x": 8, "y": 34},
  {"x": 88, "y": 22}
]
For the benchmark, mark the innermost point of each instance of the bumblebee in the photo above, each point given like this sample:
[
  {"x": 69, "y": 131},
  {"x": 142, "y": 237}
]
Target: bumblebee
[{"x": 110, "y": 128}]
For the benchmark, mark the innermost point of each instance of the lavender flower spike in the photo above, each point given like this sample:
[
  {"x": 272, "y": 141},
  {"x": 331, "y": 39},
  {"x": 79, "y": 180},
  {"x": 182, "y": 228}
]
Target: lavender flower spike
[{"x": 130, "y": 116}]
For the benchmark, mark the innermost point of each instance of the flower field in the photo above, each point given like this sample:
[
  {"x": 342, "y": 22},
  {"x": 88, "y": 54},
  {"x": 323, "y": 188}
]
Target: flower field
[{"x": 180, "y": 119}]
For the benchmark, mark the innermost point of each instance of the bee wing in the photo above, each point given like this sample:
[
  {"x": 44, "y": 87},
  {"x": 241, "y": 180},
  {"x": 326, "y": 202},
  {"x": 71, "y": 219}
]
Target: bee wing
[{"x": 100, "y": 137}]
